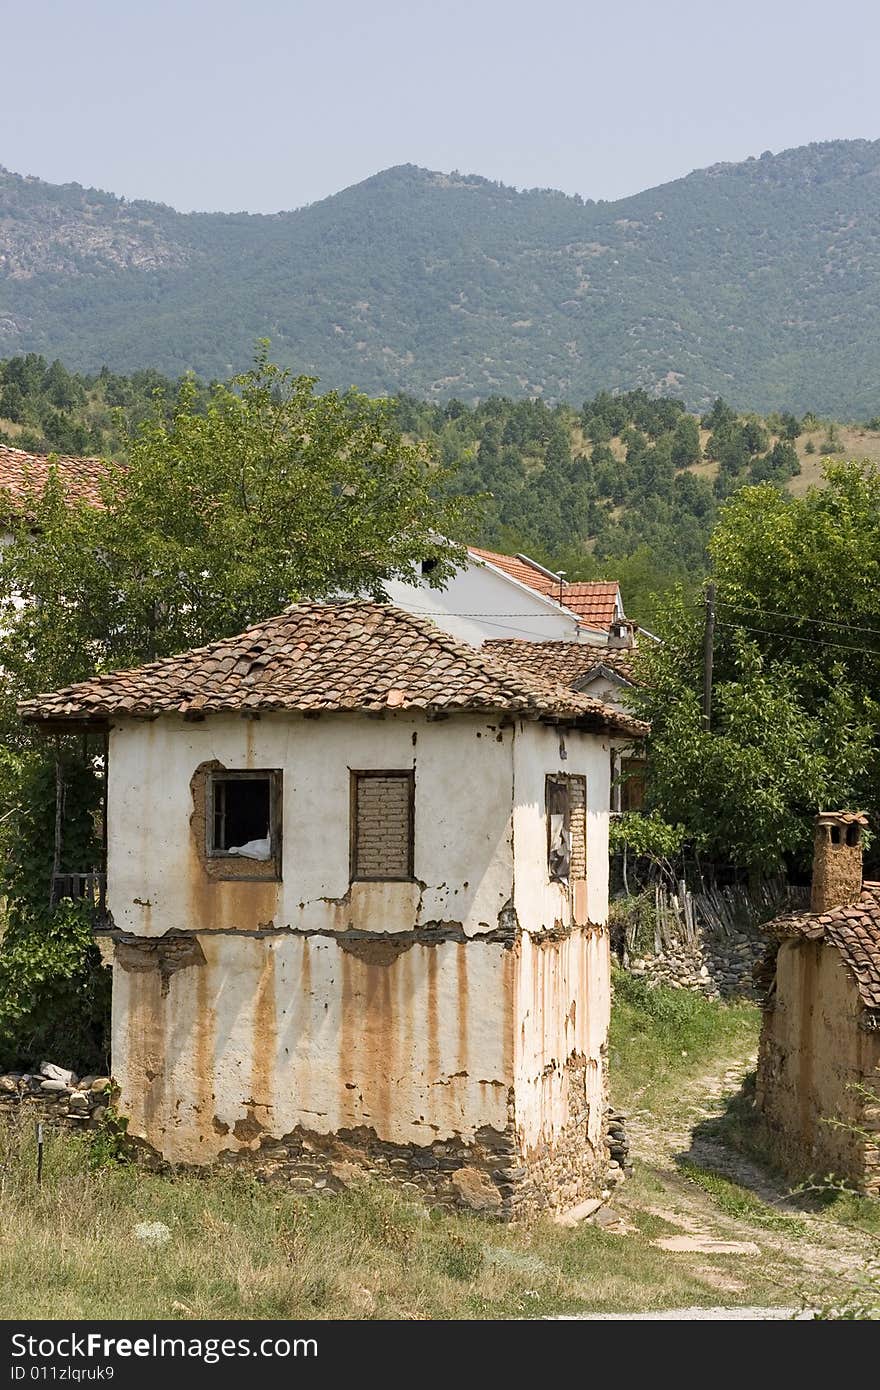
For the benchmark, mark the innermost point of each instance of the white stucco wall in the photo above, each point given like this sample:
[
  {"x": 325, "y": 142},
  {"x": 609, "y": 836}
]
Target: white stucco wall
[
  {"x": 563, "y": 986},
  {"x": 563, "y": 1008},
  {"x": 463, "y": 851},
  {"x": 286, "y": 1018},
  {"x": 539, "y": 902},
  {"x": 480, "y": 601}
]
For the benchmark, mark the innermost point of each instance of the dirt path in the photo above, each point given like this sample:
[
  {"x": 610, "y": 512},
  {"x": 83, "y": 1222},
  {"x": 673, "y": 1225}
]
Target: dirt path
[{"x": 803, "y": 1253}]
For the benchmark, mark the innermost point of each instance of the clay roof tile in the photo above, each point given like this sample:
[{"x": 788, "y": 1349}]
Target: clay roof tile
[
  {"x": 304, "y": 659},
  {"x": 853, "y": 930}
]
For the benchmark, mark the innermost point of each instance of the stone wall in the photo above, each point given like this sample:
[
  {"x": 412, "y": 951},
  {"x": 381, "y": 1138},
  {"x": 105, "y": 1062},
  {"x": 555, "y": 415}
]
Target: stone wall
[
  {"x": 719, "y": 968},
  {"x": 489, "y": 1175},
  {"x": 56, "y": 1097},
  {"x": 710, "y": 941}
]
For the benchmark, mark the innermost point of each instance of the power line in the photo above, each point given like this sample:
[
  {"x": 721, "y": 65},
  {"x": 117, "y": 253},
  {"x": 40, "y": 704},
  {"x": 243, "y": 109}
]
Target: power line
[
  {"x": 811, "y": 641},
  {"x": 800, "y": 618}
]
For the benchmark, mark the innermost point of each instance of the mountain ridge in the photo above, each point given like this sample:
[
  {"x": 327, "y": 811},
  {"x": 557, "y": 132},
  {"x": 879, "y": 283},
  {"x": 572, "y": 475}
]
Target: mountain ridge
[{"x": 757, "y": 280}]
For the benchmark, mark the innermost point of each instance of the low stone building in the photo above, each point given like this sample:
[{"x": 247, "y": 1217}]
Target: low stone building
[
  {"x": 818, "y": 1083},
  {"x": 357, "y": 892}
]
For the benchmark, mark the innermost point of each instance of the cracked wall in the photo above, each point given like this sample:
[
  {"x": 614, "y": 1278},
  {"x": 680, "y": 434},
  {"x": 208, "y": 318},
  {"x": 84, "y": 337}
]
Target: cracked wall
[{"x": 818, "y": 1070}]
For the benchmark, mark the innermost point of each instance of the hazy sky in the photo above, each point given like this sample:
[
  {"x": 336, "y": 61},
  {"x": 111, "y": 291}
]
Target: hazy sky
[{"x": 269, "y": 104}]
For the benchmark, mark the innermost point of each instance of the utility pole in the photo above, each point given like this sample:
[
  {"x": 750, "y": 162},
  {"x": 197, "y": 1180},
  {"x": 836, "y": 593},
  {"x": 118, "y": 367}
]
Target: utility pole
[
  {"x": 561, "y": 577},
  {"x": 708, "y": 646}
]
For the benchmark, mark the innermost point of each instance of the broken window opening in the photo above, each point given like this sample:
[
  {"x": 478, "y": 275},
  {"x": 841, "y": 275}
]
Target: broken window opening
[
  {"x": 243, "y": 817},
  {"x": 383, "y": 825},
  {"x": 558, "y": 800}
]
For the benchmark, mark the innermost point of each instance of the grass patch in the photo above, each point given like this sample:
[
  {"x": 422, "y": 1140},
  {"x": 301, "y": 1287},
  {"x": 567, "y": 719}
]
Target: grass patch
[
  {"x": 659, "y": 1036},
  {"x": 238, "y": 1249},
  {"x": 738, "y": 1202}
]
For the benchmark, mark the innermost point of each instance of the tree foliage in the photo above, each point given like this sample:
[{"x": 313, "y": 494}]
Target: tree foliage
[
  {"x": 794, "y": 707},
  {"x": 219, "y": 518}
]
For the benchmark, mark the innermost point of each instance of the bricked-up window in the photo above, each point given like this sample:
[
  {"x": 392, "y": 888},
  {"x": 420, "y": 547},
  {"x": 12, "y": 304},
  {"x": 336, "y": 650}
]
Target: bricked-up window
[
  {"x": 382, "y": 825},
  {"x": 566, "y": 799},
  {"x": 577, "y": 792},
  {"x": 243, "y": 814}
]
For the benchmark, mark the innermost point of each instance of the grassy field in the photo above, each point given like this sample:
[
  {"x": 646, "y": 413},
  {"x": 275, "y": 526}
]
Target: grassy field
[{"x": 228, "y": 1247}]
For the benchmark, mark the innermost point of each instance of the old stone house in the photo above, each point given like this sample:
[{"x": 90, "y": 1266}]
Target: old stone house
[
  {"x": 357, "y": 890},
  {"x": 818, "y": 1083}
]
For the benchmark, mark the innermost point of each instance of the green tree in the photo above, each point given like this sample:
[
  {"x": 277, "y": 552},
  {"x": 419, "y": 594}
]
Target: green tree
[
  {"x": 686, "y": 442},
  {"x": 797, "y": 668},
  {"x": 218, "y": 520}
]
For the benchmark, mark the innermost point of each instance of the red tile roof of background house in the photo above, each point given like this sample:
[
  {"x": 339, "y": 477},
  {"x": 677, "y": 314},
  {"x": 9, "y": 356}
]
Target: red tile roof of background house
[
  {"x": 318, "y": 657},
  {"x": 522, "y": 570},
  {"x": 593, "y": 602},
  {"x": 23, "y": 477}
]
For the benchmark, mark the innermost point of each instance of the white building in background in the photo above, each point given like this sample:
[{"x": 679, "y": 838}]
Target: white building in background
[
  {"x": 357, "y": 884},
  {"x": 511, "y": 596}
]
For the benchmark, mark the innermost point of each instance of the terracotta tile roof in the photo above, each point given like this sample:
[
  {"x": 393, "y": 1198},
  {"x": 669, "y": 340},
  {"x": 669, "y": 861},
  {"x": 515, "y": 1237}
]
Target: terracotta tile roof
[
  {"x": 322, "y": 657},
  {"x": 567, "y": 662},
  {"x": 855, "y": 931},
  {"x": 523, "y": 570},
  {"x": 22, "y": 475},
  {"x": 593, "y": 602}
]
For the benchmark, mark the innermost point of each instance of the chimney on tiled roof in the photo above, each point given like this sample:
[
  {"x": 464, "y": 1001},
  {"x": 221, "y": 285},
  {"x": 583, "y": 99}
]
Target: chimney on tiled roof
[
  {"x": 837, "y": 859},
  {"x": 622, "y": 633}
]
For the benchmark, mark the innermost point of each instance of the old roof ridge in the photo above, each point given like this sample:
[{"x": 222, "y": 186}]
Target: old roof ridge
[{"x": 313, "y": 657}]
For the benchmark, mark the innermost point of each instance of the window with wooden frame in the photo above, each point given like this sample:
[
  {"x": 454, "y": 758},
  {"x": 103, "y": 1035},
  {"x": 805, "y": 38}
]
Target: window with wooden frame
[
  {"x": 633, "y": 780},
  {"x": 558, "y": 804},
  {"x": 382, "y": 825},
  {"x": 243, "y": 815}
]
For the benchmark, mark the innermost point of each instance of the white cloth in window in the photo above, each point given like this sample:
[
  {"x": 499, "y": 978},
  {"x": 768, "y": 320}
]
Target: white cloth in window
[{"x": 253, "y": 849}]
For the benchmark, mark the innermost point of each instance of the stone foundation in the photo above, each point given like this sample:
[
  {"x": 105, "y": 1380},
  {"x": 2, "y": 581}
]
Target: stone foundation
[{"x": 489, "y": 1175}]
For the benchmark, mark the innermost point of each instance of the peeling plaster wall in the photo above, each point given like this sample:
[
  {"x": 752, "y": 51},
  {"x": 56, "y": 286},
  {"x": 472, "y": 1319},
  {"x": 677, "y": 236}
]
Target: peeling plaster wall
[
  {"x": 564, "y": 979},
  {"x": 539, "y": 902},
  {"x": 563, "y": 1005},
  {"x": 463, "y": 846},
  {"x": 419, "y": 1012},
  {"x": 812, "y": 1057},
  {"x": 279, "y": 1032}
]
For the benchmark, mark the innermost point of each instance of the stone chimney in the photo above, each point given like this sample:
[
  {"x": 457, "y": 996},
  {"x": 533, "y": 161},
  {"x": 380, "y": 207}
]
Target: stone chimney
[
  {"x": 622, "y": 633},
  {"x": 837, "y": 860}
]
